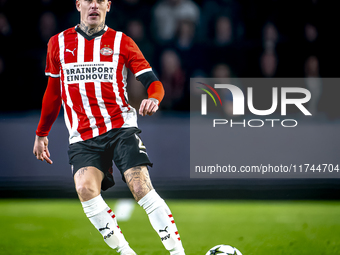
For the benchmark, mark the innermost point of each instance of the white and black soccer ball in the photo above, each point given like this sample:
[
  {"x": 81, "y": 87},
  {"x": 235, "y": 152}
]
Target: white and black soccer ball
[{"x": 223, "y": 249}]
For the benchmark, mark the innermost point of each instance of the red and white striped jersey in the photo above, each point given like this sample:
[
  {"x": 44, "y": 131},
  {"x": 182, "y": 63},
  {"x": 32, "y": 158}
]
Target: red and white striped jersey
[{"x": 93, "y": 80}]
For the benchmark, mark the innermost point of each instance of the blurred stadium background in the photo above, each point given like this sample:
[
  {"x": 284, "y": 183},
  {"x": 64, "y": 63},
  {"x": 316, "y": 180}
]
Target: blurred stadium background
[{"x": 181, "y": 39}]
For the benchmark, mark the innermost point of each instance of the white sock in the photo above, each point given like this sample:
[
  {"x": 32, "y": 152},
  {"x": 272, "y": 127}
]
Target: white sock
[
  {"x": 162, "y": 221},
  {"x": 102, "y": 217}
]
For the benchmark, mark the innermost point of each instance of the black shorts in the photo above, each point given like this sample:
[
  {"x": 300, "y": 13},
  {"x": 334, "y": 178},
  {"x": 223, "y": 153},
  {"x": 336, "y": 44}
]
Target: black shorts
[{"x": 122, "y": 145}]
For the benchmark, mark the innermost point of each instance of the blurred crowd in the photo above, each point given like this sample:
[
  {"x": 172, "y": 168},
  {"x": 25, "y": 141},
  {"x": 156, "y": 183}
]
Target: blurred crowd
[{"x": 181, "y": 39}]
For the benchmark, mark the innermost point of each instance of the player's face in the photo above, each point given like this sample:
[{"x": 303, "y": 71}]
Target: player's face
[{"x": 93, "y": 12}]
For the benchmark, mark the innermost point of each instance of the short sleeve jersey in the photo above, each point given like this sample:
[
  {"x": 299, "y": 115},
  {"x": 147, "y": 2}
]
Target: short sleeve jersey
[{"x": 93, "y": 74}]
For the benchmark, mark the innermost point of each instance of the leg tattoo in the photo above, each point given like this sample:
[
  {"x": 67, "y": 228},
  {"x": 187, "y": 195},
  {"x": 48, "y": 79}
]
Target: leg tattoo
[
  {"x": 82, "y": 171},
  {"x": 138, "y": 181}
]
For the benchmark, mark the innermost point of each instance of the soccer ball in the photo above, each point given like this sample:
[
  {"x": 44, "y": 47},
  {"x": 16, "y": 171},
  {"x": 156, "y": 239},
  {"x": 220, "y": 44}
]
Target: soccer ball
[{"x": 223, "y": 249}]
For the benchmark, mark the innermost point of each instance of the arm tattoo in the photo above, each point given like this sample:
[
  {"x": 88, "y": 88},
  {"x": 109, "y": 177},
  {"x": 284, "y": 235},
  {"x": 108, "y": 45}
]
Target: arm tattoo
[
  {"x": 138, "y": 181},
  {"x": 91, "y": 31}
]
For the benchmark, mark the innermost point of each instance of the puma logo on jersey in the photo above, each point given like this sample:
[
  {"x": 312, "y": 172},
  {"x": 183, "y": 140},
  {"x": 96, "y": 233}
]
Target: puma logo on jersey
[
  {"x": 71, "y": 51},
  {"x": 163, "y": 230}
]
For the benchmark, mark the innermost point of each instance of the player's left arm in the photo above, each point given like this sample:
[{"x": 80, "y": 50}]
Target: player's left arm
[
  {"x": 136, "y": 62},
  {"x": 155, "y": 92}
]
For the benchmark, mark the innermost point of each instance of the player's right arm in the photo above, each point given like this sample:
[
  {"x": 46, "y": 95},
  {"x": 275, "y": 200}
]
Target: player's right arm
[
  {"x": 51, "y": 101},
  {"x": 49, "y": 112}
]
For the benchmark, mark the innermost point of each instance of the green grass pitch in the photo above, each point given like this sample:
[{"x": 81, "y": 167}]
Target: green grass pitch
[{"x": 255, "y": 227}]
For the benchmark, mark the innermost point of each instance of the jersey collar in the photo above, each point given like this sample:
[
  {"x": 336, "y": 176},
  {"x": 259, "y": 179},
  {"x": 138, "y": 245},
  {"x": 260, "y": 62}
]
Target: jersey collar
[{"x": 89, "y": 38}]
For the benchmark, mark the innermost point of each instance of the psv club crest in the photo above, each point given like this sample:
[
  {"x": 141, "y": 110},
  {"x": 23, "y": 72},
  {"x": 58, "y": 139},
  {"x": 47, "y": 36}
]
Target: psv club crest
[{"x": 106, "y": 51}]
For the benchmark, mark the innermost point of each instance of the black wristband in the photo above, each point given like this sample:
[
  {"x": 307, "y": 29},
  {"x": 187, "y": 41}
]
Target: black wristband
[{"x": 147, "y": 78}]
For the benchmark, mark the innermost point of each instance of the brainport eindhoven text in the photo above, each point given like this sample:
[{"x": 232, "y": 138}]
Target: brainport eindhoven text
[{"x": 89, "y": 72}]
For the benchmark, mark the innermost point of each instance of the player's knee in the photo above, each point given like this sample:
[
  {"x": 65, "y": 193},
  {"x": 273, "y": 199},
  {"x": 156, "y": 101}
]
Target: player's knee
[
  {"x": 86, "y": 192},
  {"x": 139, "y": 191}
]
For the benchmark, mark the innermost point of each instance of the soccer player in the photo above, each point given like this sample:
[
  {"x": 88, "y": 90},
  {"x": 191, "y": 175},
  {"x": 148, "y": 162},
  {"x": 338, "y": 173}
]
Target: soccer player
[{"x": 87, "y": 68}]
